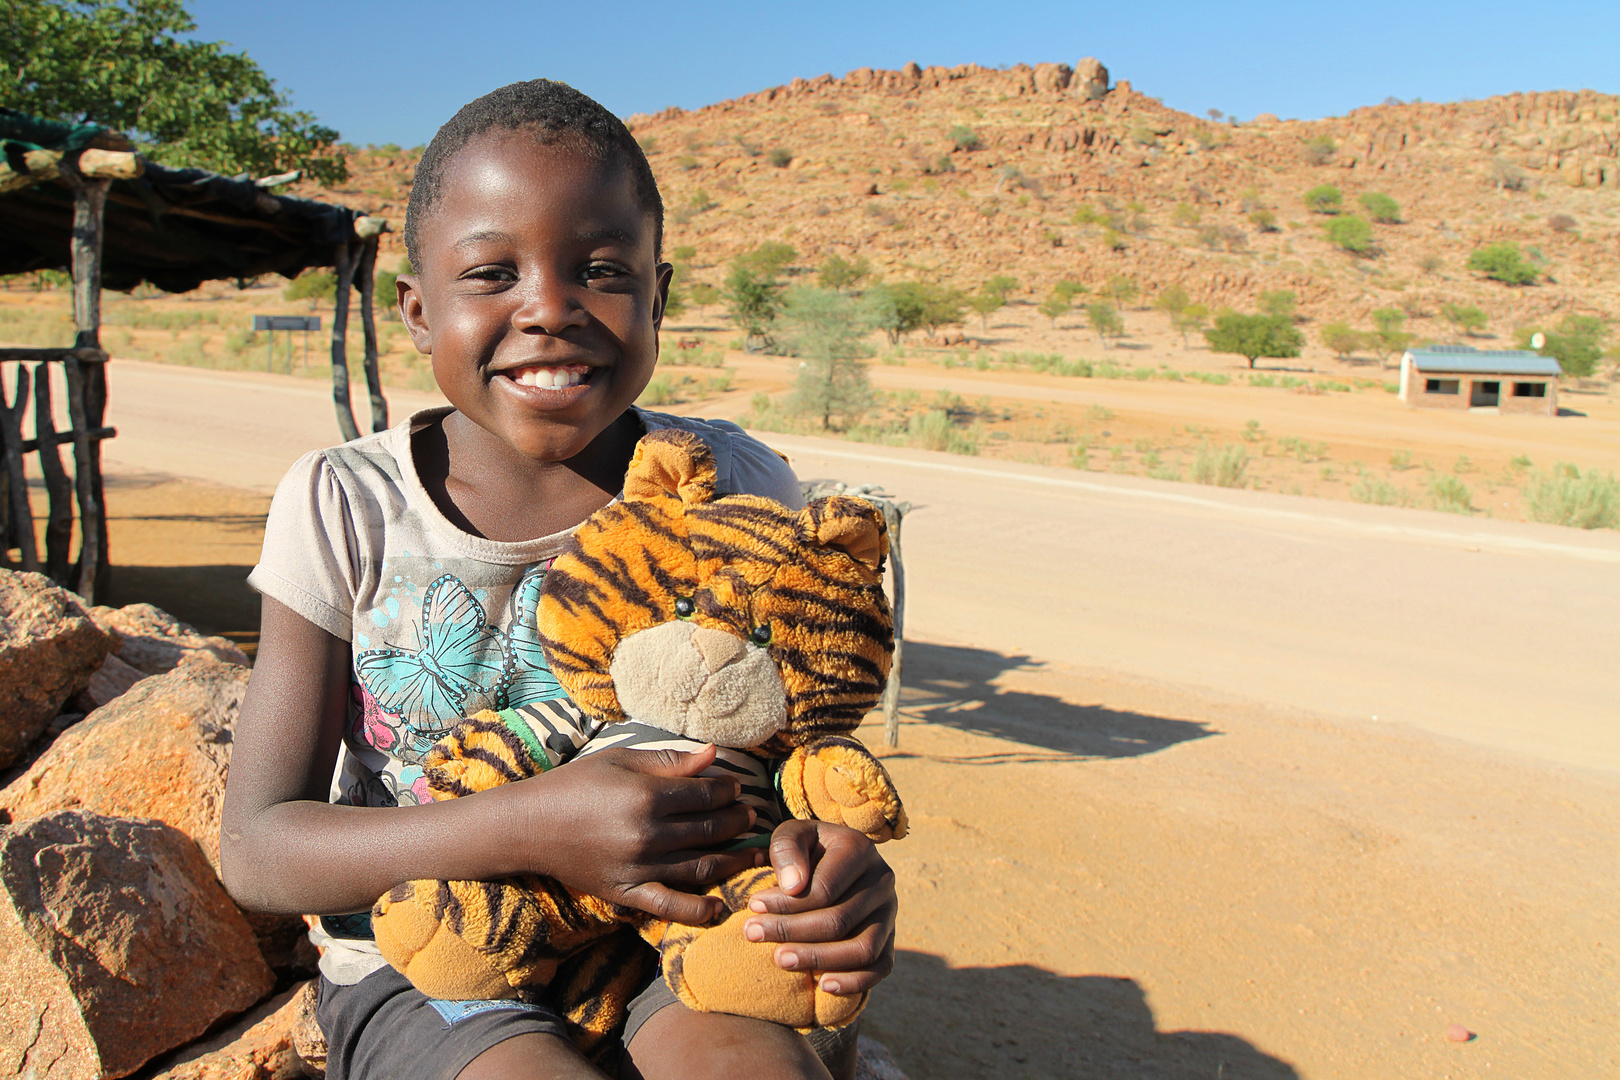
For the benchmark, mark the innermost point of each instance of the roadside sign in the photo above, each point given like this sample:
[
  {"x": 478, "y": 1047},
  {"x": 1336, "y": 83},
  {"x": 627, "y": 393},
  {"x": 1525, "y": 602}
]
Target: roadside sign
[{"x": 289, "y": 323}]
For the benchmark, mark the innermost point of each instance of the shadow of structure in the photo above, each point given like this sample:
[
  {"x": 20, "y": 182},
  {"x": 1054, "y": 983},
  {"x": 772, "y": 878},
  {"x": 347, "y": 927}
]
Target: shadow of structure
[
  {"x": 214, "y": 599},
  {"x": 955, "y": 685},
  {"x": 1020, "y": 1020}
]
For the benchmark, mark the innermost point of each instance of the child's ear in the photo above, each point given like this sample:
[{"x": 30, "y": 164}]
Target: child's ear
[
  {"x": 414, "y": 313},
  {"x": 664, "y": 275}
]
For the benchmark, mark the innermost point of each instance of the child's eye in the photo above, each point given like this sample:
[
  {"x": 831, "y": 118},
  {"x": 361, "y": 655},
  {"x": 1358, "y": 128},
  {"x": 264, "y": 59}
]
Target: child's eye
[
  {"x": 489, "y": 273},
  {"x": 601, "y": 271}
]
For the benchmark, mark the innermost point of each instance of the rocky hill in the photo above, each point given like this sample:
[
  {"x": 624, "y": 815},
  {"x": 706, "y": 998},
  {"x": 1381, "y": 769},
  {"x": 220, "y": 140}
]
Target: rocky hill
[{"x": 1049, "y": 173}]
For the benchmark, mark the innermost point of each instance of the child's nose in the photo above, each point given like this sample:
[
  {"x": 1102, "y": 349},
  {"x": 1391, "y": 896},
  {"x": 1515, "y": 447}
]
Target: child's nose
[{"x": 550, "y": 303}]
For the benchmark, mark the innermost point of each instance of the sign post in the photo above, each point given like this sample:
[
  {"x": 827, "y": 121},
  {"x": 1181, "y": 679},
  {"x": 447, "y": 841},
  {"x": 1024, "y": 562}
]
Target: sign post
[{"x": 289, "y": 323}]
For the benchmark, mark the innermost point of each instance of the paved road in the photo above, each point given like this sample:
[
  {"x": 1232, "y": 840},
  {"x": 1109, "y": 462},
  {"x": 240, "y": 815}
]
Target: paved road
[{"x": 1498, "y": 633}]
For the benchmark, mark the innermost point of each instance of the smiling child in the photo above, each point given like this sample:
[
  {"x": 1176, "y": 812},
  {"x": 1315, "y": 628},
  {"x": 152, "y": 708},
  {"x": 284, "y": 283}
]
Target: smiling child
[{"x": 398, "y": 577}]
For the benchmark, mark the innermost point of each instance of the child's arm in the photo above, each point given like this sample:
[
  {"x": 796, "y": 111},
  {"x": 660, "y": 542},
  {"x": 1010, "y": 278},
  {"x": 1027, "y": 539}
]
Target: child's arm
[{"x": 619, "y": 824}]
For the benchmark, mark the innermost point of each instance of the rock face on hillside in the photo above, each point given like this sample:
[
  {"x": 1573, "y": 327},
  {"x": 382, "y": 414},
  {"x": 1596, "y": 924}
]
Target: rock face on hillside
[
  {"x": 49, "y": 647},
  {"x": 117, "y": 943}
]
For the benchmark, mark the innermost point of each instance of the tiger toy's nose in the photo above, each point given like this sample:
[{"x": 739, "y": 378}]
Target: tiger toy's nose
[{"x": 718, "y": 647}]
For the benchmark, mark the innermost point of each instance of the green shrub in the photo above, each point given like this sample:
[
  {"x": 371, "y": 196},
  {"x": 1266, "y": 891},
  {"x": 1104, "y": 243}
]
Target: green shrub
[
  {"x": 841, "y": 273},
  {"x": 1341, "y": 339},
  {"x": 934, "y": 430},
  {"x": 1450, "y": 494},
  {"x": 965, "y": 138},
  {"x": 1351, "y": 234},
  {"x": 1221, "y": 466},
  {"x": 1264, "y": 220},
  {"x": 1577, "y": 343},
  {"x": 1388, "y": 338},
  {"x": 1319, "y": 150},
  {"x": 660, "y": 391},
  {"x": 1055, "y": 305},
  {"x": 1171, "y": 299},
  {"x": 1106, "y": 320},
  {"x": 1189, "y": 320},
  {"x": 317, "y": 285},
  {"x": 1565, "y": 496},
  {"x": 1368, "y": 488},
  {"x": 1465, "y": 319},
  {"x": 1254, "y": 336},
  {"x": 781, "y": 157},
  {"x": 1503, "y": 262},
  {"x": 1278, "y": 303},
  {"x": 1381, "y": 208},
  {"x": 1324, "y": 199}
]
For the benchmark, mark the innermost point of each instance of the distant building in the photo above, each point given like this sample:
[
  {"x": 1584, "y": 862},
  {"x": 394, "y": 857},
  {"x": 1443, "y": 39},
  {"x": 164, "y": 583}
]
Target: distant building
[{"x": 1459, "y": 377}]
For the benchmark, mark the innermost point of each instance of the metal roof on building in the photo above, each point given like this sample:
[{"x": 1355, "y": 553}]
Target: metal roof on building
[{"x": 1464, "y": 360}]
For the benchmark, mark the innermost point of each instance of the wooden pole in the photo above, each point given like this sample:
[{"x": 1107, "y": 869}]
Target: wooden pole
[
  {"x": 21, "y": 512},
  {"x": 892, "y": 516},
  {"x": 346, "y": 259},
  {"x": 87, "y": 385},
  {"x": 368, "y": 323},
  {"x": 58, "y": 489}
]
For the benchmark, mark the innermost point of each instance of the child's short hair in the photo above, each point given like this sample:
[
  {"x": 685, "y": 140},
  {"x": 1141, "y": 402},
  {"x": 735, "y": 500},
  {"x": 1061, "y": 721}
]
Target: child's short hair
[{"x": 562, "y": 114}]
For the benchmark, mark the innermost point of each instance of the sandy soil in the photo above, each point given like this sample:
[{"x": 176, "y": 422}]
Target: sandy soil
[{"x": 1113, "y": 877}]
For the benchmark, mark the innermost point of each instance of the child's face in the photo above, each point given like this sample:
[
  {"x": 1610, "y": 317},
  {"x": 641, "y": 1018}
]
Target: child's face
[{"x": 540, "y": 295}]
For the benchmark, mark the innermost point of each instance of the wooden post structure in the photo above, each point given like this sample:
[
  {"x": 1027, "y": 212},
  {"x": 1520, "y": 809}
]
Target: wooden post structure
[
  {"x": 346, "y": 260},
  {"x": 19, "y": 514},
  {"x": 58, "y": 488},
  {"x": 893, "y": 514},
  {"x": 367, "y": 272},
  {"x": 87, "y": 382}
]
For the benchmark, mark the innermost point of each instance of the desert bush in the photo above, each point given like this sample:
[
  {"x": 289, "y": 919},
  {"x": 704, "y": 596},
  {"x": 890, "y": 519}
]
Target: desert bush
[
  {"x": 1381, "y": 208},
  {"x": 1450, "y": 494},
  {"x": 315, "y": 285},
  {"x": 1185, "y": 215},
  {"x": 1324, "y": 199},
  {"x": 1341, "y": 339},
  {"x": 1054, "y": 305},
  {"x": 780, "y": 156},
  {"x": 1112, "y": 240},
  {"x": 824, "y": 329},
  {"x": 1319, "y": 149},
  {"x": 1221, "y": 466},
  {"x": 1351, "y": 234},
  {"x": 1106, "y": 320},
  {"x": 1278, "y": 303},
  {"x": 1254, "y": 336},
  {"x": 1189, "y": 320},
  {"x": 753, "y": 300},
  {"x": 843, "y": 274},
  {"x": 1209, "y": 236},
  {"x": 1464, "y": 319},
  {"x": 1377, "y": 491},
  {"x": 1000, "y": 285},
  {"x": 1430, "y": 263},
  {"x": 1121, "y": 290},
  {"x": 660, "y": 390},
  {"x": 768, "y": 259},
  {"x": 1561, "y": 223},
  {"x": 1264, "y": 220},
  {"x": 1069, "y": 289},
  {"x": 1171, "y": 299},
  {"x": 935, "y": 430},
  {"x": 965, "y": 138},
  {"x": 1507, "y": 176},
  {"x": 1566, "y": 496},
  {"x": 1389, "y": 337},
  {"x": 1503, "y": 262},
  {"x": 1576, "y": 343}
]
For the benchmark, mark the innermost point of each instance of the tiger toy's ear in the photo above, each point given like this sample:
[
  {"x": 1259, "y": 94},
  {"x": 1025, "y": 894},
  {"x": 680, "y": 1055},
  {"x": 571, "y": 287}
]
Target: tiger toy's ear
[
  {"x": 670, "y": 462},
  {"x": 853, "y": 526}
]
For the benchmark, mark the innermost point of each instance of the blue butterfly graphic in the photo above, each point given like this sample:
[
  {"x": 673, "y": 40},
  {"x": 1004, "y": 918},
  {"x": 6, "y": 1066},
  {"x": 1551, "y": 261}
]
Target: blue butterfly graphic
[
  {"x": 460, "y": 656},
  {"x": 527, "y": 676}
]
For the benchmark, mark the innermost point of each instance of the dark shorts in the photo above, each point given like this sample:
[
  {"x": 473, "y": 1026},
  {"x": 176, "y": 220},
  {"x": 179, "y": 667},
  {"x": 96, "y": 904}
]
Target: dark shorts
[{"x": 383, "y": 1028}]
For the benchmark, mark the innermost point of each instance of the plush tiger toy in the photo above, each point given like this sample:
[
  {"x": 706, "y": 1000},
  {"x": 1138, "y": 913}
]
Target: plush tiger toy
[{"x": 676, "y": 617}]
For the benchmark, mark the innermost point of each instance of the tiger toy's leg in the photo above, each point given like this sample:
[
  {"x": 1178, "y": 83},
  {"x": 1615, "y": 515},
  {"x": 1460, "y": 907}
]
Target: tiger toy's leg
[{"x": 717, "y": 969}]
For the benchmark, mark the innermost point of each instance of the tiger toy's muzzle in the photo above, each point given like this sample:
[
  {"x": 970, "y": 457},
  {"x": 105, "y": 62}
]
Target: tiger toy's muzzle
[{"x": 705, "y": 684}]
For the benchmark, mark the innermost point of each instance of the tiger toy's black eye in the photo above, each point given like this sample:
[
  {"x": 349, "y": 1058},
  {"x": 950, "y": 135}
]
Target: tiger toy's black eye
[
  {"x": 761, "y": 635},
  {"x": 684, "y": 606}
]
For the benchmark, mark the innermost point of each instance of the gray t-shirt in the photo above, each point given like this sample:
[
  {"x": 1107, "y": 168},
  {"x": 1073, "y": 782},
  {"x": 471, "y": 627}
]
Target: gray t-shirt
[{"x": 441, "y": 623}]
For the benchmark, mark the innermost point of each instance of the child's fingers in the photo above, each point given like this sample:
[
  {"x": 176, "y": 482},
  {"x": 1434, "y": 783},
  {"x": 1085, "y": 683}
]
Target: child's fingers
[
  {"x": 867, "y": 951},
  {"x": 665, "y": 762},
  {"x": 662, "y": 902},
  {"x": 693, "y": 831},
  {"x": 792, "y": 846},
  {"x": 686, "y": 869}
]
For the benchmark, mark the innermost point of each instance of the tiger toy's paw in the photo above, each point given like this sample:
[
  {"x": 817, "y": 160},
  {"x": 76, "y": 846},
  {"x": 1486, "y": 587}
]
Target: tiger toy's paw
[
  {"x": 414, "y": 934},
  {"x": 837, "y": 779},
  {"x": 717, "y": 969}
]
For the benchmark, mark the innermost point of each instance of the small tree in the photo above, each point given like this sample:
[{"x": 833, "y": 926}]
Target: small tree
[
  {"x": 1264, "y": 220},
  {"x": 1342, "y": 340},
  {"x": 1577, "y": 343},
  {"x": 1189, "y": 320},
  {"x": 781, "y": 157},
  {"x": 964, "y": 138},
  {"x": 986, "y": 303},
  {"x": 1465, "y": 320},
  {"x": 768, "y": 259},
  {"x": 1503, "y": 262},
  {"x": 843, "y": 274},
  {"x": 1106, "y": 320},
  {"x": 1254, "y": 336},
  {"x": 999, "y": 284},
  {"x": 1054, "y": 305},
  {"x": 825, "y": 331},
  {"x": 1381, "y": 208},
  {"x": 753, "y": 300},
  {"x": 1350, "y": 234},
  {"x": 1121, "y": 290},
  {"x": 1324, "y": 199},
  {"x": 1319, "y": 149},
  {"x": 1278, "y": 303},
  {"x": 919, "y": 304},
  {"x": 1388, "y": 336},
  {"x": 1171, "y": 299},
  {"x": 1069, "y": 289}
]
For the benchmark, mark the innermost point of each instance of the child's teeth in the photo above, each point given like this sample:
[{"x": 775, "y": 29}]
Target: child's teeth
[{"x": 550, "y": 378}]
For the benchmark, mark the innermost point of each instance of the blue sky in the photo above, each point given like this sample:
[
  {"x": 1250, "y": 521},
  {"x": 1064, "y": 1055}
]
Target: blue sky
[{"x": 393, "y": 72}]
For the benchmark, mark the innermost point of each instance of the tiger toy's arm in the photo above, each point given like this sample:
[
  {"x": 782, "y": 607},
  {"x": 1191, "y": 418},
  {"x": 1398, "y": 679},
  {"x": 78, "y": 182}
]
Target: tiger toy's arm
[{"x": 837, "y": 779}]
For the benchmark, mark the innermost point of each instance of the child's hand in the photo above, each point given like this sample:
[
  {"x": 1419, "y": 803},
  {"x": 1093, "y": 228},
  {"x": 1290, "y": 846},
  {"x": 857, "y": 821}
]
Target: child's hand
[
  {"x": 835, "y": 908},
  {"x": 625, "y": 825}
]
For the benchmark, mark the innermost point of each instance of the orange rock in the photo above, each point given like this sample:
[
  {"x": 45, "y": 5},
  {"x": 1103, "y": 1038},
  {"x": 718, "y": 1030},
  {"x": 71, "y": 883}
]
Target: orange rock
[
  {"x": 117, "y": 944},
  {"x": 264, "y": 1045},
  {"x": 48, "y": 649}
]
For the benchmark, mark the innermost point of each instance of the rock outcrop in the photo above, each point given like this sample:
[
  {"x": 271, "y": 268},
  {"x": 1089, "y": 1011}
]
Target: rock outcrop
[
  {"x": 49, "y": 647},
  {"x": 150, "y": 641},
  {"x": 261, "y": 1046},
  {"x": 117, "y": 943}
]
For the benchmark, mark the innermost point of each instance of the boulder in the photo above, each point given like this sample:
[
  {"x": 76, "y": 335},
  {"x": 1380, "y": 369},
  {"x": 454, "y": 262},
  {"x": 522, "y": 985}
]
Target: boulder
[
  {"x": 117, "y": 944},
  {"x": 49, "y": 647},
  {"x": 1052, "y": 78},
  {"x": 262, "y": 1045},
  {"x": 159, "y": 751},
  {"x": 1090, "y": 79},
  {"x": 150, "y": 641}
]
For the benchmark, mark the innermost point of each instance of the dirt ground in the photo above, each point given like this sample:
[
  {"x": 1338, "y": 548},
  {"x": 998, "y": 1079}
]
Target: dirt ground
[{"x": 1115, "y": 878}]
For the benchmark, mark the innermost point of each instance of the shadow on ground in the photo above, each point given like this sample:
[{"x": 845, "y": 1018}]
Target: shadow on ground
[
  {"x": 956, "y": 685},
  {"x": 1019, "y": 1020},
  {"x": 214, "y": 599}
]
